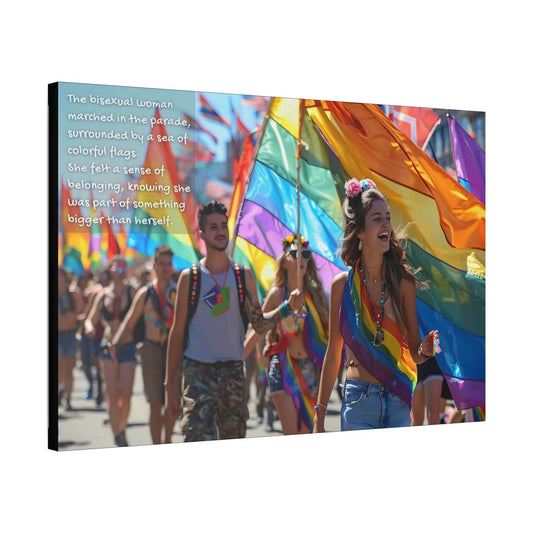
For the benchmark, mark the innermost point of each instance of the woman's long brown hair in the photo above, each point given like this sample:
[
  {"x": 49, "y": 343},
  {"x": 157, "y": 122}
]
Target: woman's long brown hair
[{"x": 395, "y": 265}]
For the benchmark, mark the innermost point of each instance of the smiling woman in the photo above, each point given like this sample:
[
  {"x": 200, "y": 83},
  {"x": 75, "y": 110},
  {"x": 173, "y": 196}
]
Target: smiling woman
[{"x": 373, "y": 313}]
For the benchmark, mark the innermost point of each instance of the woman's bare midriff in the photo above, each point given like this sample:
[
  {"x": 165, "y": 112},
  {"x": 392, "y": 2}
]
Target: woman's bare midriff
[
  {"x": 355, "y": 369},
  {"x": 297, "y": 348}
]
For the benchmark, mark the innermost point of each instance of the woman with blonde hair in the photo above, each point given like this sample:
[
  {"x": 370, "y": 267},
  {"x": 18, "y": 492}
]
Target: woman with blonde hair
[
  {"x": 296, "y": 347},
  {"x": 373, "y": 313}
]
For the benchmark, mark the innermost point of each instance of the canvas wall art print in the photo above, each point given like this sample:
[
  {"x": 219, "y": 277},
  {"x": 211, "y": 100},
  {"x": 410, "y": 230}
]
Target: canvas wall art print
[{"x": 240, "y": 266}]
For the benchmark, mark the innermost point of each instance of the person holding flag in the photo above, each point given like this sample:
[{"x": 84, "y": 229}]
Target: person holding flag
[
  {"x": 373, "y": 312},
  {"x": 296, "y": 347},
  {"x": 154, "y": 305}
]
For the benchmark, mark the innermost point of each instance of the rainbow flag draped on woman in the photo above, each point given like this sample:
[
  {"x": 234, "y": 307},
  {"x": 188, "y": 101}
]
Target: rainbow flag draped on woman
[
  {"x": 390, "y": 362},
  {"x": 315, "y": 338}
]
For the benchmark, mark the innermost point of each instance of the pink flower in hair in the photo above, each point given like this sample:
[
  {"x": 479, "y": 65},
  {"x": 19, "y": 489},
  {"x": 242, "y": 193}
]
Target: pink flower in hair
[{"x": 353, "y": 188}]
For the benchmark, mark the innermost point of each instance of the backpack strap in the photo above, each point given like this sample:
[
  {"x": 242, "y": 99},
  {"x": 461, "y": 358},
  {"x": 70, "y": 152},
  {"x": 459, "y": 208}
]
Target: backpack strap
[{"x": 195, "y": 281}]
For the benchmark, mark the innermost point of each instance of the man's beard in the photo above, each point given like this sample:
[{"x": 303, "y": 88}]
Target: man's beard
[{"x": 214, "y": 245}]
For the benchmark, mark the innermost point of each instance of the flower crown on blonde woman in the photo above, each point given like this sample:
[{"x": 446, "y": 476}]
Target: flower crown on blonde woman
[
  {"x": 354, "y": 187},
  {"x": 292, "y": 239}
]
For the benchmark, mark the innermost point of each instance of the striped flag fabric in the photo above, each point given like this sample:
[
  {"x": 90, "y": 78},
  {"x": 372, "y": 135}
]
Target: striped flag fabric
[
  {"x": 268, "y": 211},
  {"x": 446, "y": 234},
  {"x": 75, "y": 240},
  {"x": 446, "y": 224},
  {"x": 195, "y": 125},
  {"x": 159, "y": 199},
  {"x": 417, "y": 123},
  {"x": 208, "y": 111},
  {"x": 469, "y": 160}
]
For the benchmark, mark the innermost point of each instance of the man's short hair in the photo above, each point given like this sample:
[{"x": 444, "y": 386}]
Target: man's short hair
[
  {"x": 208, "y": 209},
  {"x": 162, "y": 250}
]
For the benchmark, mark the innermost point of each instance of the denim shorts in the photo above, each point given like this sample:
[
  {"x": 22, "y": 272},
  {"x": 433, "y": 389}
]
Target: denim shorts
[
  {"x": 67, "y": 343},
  {"x": 369, "y": 406},
  {"x": 125, "y": 353},
  {"x": 275, "y": 374}
]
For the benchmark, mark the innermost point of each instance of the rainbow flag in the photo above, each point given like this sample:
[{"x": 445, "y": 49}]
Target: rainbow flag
[
  {"x": 469, "y": 160},
  {"x": 268, "y": 211},
  {"x": 446, "y": 230},
  {"x": 95, "y": 239},
  {"x": 446, "y": 224},
  {"x": 315, "y": 339},
  {"x": 295, "y": 385},
  {"x": 391, "y": 362},
  {"x": 478, "y": 414},
  {"x": 174, "y": 231},
  {"x": 75, "y": 239}
]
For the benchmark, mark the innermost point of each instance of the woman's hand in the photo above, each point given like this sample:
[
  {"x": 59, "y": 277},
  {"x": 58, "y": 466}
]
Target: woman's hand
[
  {"x": 296, "y": 300},
  {"x": 430, "y": 341}
]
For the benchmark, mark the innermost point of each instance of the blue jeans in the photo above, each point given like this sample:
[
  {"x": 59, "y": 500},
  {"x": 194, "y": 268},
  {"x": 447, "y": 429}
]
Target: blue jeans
[{"x": 368, "y": 406}]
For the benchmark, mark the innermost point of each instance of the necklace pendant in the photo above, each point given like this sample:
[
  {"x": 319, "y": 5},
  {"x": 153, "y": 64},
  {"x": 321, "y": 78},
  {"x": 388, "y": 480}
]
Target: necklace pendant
[{"x": 378, "y": 337}]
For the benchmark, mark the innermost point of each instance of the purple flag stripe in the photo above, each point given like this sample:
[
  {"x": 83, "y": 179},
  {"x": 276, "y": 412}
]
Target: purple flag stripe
[
  {"x": 467, "y": 393},
  {"x": 265, "y": 231},
  {"x": 469, "y": 159}
]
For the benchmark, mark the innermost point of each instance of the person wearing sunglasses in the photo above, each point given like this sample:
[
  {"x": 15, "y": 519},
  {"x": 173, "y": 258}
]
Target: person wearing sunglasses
[
  {"x": 118, "y": 362},
  {"x": 295, "y": 360},
  {"x": 373, "y": 313}
]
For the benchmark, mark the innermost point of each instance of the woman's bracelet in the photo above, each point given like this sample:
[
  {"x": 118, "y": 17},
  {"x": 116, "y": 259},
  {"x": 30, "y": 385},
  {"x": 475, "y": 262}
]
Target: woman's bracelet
[
  {"x": 320, "y": 405},
  {"x": 285, "y": 310},
  {"x": 425, "y": 356}
]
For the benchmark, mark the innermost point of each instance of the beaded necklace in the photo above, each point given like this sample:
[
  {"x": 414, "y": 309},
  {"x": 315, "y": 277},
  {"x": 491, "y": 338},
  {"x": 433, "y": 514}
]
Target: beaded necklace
[{"x": 380, "y": 334}]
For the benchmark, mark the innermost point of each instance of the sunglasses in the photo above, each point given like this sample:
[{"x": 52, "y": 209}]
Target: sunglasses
[
  {"x": 306, "y": 254},
  {"x": 119, "y": 270}
]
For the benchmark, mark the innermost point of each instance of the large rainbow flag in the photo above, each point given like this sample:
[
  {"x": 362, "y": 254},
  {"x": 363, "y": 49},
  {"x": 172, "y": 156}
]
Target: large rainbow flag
[
  {"x": 269, "y": 208},
  {"x": 145, "y": 236},
  {"x": 74, "y": 241},
  {"x": 446, "y": 224}
]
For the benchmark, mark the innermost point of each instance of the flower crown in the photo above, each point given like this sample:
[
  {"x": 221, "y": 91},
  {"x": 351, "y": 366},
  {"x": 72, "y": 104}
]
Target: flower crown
[
  {"x": 291, "y": 239},
  {"x": 354, "y": 187}
]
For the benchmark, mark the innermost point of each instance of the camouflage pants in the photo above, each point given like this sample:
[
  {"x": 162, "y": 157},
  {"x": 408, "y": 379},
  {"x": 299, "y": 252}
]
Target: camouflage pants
[{"x": 213, "y": 400}]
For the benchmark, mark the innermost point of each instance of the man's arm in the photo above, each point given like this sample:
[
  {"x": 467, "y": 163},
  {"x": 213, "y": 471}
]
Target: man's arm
[
  {"x": 134, "y": 313},
  {"x": 262, "y": 322},
  {"x": 94, "y": 314},
  {"x": 175, "y": 345}
]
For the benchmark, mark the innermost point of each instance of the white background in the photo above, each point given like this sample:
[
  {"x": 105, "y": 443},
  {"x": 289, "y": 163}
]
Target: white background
[{"x": 462, "y": 55}]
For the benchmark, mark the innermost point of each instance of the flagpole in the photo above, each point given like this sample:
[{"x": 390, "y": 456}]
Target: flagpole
[
  {"x": 301, "y": 110},
  {"x": 248, "y": 176},
  {"x": 301, "y": 103}
]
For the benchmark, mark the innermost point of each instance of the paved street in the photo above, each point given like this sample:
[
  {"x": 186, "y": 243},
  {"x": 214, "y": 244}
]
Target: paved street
[{"x": 84, "y": 427}]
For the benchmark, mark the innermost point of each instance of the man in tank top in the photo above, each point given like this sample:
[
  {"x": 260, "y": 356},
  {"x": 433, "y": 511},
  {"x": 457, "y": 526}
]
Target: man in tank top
[
  {"x": 154, "y": 304},
  {"x": 208, "y": 349}
]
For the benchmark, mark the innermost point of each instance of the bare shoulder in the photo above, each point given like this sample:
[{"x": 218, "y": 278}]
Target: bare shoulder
[
  {"x": 274, "y": 297},
  {"x": 183, "y": 280},
  {"x": 338, "y": 282},
  {"x": 407, "y": 286}
]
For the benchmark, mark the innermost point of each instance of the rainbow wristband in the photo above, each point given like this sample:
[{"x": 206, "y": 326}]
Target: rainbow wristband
[{"x": 285, "y": 310}]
